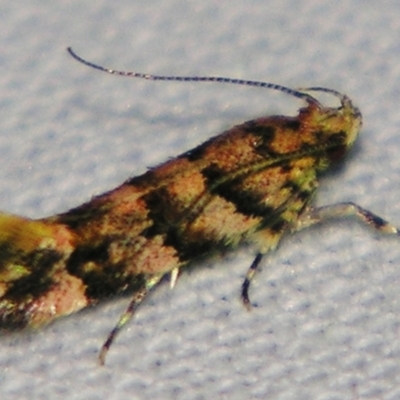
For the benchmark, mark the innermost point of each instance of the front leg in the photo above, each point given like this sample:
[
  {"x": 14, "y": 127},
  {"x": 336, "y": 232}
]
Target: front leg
[
  {"x": 310, "y": 217},
  {"x": 313, "y": 216}
]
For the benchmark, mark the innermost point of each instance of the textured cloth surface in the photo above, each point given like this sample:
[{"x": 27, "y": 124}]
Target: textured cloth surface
[{"x": 327, "y": 320}]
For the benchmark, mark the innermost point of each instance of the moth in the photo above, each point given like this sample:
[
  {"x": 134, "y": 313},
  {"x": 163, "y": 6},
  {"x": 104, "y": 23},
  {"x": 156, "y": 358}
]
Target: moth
[{"x": 253, "y": 184}]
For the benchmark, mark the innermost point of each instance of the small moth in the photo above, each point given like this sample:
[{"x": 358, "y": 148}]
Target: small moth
[{"x": 253, "y": 183}]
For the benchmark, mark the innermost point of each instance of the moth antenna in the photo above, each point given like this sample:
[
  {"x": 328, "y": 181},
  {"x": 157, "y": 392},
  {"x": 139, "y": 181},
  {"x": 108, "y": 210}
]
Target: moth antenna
[
  {"x": 342, "y": 97},
  {"x": 266, "y": 85}
]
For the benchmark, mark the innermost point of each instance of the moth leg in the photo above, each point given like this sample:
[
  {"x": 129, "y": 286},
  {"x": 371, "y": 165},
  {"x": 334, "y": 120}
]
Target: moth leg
[
  {"x": 264, "y": 240},
  {"x": 313, "y": 216},
  {"x": 247, "y": 280},
  {"x": 137, "y": 298},
  {"x": 310, "y": 217}
]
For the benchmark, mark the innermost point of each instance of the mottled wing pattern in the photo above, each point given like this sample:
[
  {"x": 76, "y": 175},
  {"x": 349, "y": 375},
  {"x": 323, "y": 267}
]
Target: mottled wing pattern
[{"x": 249, "y": 183}]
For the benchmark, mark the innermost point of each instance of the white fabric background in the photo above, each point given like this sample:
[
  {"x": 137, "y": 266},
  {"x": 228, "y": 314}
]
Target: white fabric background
[{"x": 328, "y": 317}]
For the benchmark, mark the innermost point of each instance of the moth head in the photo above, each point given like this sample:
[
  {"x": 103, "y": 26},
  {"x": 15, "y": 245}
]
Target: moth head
[{"x": 341, "y": 124}]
